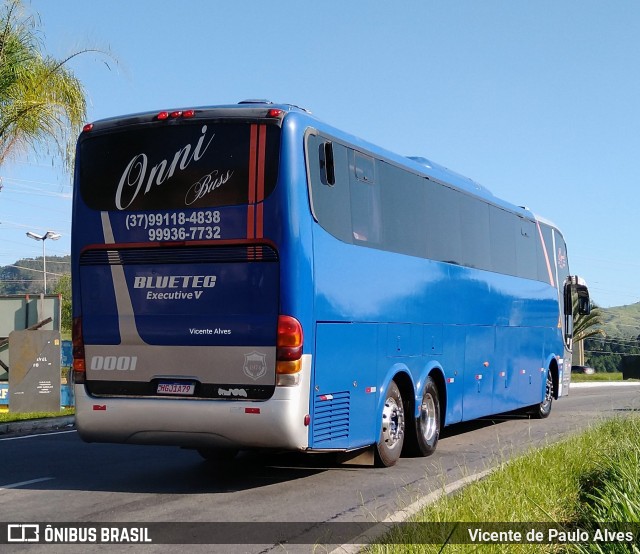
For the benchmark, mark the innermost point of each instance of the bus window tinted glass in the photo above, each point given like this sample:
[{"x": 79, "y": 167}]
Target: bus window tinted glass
[
  {"x": 331, "y": 204},
  {"x": 526, "y": 254},
  {"x": 194, "y": 165},
  {"x": 366, "y": 217},
  {"x": 546, "y": 260},
  {"x": 377, "y": 204},
  {"x": 562, "y": 262},
  {"x": 503, "y": 241},
  {"x": 403, "y": 197},
  {"x": 474, "y": 226},
  {"x": 443, "y": 224}
]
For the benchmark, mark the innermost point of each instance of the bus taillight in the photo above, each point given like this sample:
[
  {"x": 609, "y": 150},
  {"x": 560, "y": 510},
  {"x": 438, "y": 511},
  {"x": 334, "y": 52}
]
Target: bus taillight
[
  {"x": 175, "y": 114},
  {"x": 79, "y": 365},
  {"x": 289, "y": 350}
]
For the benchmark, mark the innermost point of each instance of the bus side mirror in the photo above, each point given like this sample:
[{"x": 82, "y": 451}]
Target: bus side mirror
[{"x": 584, "y": 303}]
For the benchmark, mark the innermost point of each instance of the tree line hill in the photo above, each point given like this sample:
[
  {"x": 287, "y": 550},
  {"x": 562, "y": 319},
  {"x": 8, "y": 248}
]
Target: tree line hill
[
  {"x": 26, "y": 277},
  {"x": 621, "y": 336},
  {"x": 620, "y": 325}
]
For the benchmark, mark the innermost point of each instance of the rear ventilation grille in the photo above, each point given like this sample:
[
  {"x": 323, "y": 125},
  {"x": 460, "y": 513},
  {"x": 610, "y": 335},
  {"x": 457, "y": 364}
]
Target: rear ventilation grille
[
  {"x": 179, "y": 255},
  {"x": 331, "y": 417}
]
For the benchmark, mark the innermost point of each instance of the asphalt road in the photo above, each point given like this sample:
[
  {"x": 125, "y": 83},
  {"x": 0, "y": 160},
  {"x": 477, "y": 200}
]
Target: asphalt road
[{"x": 55, "y": 477}]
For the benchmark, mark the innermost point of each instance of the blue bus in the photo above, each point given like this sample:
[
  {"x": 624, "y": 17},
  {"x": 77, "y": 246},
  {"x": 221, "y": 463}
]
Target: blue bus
[{"x": 247, "y": 276}]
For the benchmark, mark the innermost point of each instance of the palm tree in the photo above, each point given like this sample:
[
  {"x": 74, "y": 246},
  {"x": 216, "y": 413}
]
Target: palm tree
[
  {"x": 41, "y": 101},
  {"x": 586, "y": 326}
]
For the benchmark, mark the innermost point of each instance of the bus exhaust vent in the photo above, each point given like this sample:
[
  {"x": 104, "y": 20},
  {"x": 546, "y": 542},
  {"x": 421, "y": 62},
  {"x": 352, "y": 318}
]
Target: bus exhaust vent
[
  {"x": 331, "y": 417},
  {"x": 179, "y": 255}
]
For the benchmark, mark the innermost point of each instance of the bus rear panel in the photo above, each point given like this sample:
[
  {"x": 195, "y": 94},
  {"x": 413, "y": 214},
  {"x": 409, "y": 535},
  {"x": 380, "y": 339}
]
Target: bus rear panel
[{"x": 177, "y": 288}]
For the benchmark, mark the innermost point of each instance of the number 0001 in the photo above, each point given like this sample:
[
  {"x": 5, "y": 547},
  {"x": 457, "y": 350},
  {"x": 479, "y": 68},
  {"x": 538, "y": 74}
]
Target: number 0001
[{"x": 108, "y": 363}]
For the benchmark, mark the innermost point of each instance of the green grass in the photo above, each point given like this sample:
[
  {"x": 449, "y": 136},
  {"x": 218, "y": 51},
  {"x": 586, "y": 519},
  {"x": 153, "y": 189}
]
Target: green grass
[
  {"x": 7, "y": 417},
  {"x": 582, "y": 378},
  {"x": 591, "y": 477},
  {"x": 611, "y": 493}
]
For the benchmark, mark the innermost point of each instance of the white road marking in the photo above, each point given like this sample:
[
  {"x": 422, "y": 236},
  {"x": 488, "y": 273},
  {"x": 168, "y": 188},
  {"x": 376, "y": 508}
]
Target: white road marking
[
  {"x": 401, "y": 515},
  {"x": 38, "y": 435},
  {"x": 587, "y": 384},
  {"x": 23, "y": 483}
]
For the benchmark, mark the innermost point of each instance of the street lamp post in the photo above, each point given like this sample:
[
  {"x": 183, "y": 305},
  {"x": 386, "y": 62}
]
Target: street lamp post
[{"x": 48, "y": 235}]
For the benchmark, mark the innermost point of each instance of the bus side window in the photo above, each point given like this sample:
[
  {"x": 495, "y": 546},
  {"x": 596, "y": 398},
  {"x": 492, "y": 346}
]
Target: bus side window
[
  {"x": 526, "y": 243},
  {"x": 366, "y": 217},
  {"x": 328, "y": 165},
  {"x": 503, "y": 240}
]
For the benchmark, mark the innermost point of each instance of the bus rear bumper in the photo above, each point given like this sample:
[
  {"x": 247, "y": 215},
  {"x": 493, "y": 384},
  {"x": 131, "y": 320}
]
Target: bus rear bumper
[{"x": 275, "y": 423}]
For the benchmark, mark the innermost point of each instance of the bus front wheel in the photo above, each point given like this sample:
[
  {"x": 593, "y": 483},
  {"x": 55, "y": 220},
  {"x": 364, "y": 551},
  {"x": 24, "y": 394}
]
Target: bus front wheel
[
  {"x": 542, "y": 410},
  {"x": 389, "y": 447}
]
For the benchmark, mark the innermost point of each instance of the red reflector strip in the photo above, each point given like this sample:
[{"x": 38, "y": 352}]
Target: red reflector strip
[
  {"x": 252, "y": 410},
  {"x": 99, "y": 408},
  {"x": 523, "y": 371},
  {"x": 450, "y": 380},
  {"x": 257, "y": 155},
  {"x": 503, "y": 374},
  {"x": 251, "y": 214},
  {"x": 326, "y": 397},
  {"x": 478, "y": 377},
  {"x": 369, "y": 390}
]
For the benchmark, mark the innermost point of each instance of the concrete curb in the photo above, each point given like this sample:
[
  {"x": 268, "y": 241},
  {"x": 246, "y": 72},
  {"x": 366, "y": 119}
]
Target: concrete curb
[
  {"x": 36, "y": 425},
  {"x": 586, "y": 384}
]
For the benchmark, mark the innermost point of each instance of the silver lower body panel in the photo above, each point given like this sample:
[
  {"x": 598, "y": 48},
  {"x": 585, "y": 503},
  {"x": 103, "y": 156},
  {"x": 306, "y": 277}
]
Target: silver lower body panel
[{"x": 199, "y": 423}]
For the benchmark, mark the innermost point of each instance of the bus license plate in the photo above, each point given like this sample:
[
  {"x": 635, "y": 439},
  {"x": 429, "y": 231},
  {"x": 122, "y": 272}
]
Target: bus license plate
[{"x": 176, "y": 388}]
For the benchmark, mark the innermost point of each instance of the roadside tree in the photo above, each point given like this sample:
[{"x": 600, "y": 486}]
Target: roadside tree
[
  {"x": 42, "y": 103},
  {"x": 63, "y": 288}
]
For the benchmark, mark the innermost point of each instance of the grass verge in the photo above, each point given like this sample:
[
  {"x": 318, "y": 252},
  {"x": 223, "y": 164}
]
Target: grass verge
[
  {"x": 582, "y": 378},
  {"x": 592, "y": 477},
  {"x": 8, "y": 417}
]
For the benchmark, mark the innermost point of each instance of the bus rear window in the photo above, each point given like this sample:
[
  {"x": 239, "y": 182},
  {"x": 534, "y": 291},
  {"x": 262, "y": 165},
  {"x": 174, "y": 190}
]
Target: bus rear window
[{"x": 200, "y": 164}]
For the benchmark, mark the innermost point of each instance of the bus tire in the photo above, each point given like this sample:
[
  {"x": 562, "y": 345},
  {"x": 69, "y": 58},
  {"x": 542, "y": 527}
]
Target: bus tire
[
  {"x": 427, "y": 424},
  {"x": 389, "y": 447},
  {"x": 218, "y": 455},
  {"x": 542, "y": 410}
]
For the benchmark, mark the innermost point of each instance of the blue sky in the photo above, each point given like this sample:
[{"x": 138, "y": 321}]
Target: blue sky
[{"x": 538, "y": 101}]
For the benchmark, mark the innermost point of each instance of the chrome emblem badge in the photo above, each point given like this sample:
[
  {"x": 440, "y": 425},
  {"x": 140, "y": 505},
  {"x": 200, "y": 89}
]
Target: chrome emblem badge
[{"x": 255, "y": 365}]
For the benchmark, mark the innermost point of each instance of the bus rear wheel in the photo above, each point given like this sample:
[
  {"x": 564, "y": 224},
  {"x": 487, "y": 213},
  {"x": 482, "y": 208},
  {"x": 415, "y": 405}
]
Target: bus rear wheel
[
  {"x": 389, "y": 447},
  {"x": 427, "y": 424}
]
